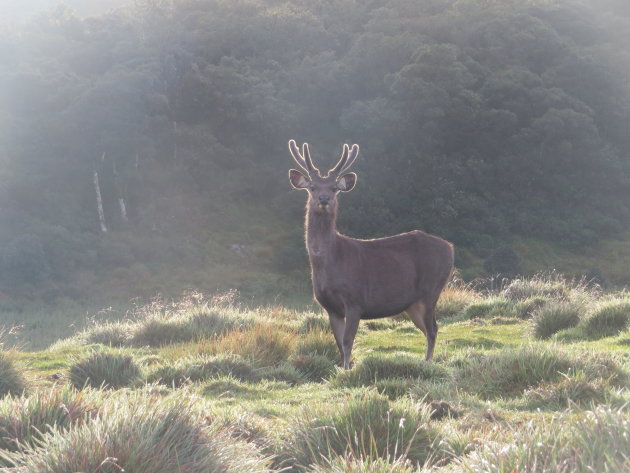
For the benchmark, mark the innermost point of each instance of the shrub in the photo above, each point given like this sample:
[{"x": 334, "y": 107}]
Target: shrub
[
  {"x": 202, "y": 368},
  {"x": 596, "y": 441},
  {"x": 376, "y": 368},
  {"x": 367, "y": 427},
  {"x": 139, "y": 435},
  {"x": 263, "y": 343},
  {"x": 607, "y": 319},
  {"x": 11, "y": 379},
  {"x": 111, "y": 369},
  {"x": 23, "y": 420},
  {"x": 554, "y": 317}
]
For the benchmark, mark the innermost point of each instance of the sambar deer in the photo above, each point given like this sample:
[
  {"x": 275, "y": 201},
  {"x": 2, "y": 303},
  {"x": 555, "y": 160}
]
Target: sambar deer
[{"x": 365, "y": 279}]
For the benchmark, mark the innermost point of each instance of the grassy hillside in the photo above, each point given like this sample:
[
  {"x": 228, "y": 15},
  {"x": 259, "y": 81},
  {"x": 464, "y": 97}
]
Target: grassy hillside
[{"x": 532, "y": 378}]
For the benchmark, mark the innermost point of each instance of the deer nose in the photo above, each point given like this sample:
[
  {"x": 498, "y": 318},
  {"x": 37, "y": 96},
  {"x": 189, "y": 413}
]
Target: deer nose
[{"x": 324, "y": 199}]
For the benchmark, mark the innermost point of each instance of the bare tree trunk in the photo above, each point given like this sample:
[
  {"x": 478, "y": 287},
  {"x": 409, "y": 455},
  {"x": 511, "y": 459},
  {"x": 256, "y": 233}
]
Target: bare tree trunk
[
  {"x": 123, "y": 209},
  {"x": 119, "y": 192},
  {"x": 99, "y": 202}
]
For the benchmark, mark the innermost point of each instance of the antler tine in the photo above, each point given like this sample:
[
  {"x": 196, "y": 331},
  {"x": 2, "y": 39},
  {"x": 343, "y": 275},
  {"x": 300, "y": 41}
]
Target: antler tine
[
  {"x": 354, "y": 154},
  {"x": 295, "y": 152},
  {"x": 342, "y": 161},
  {"x": 307, "y": 159}
]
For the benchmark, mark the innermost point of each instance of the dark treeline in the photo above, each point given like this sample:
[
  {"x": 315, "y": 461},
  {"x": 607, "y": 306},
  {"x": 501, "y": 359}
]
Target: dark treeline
[{"x": 481, "y": 121}]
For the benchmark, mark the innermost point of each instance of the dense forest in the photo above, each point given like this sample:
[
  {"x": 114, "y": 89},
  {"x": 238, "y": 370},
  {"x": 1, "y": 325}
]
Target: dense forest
[{"x": 485, "y": 122}]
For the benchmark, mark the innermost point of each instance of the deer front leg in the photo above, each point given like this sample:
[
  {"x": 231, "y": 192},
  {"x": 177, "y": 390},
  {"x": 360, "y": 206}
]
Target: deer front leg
[
  {"x": 350, "y": 331},
  {"x": 338, "y": 325}
]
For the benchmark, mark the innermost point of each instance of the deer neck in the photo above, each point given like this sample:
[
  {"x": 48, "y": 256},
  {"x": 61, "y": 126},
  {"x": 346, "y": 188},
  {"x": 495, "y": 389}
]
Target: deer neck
[{"x": 321, "y": 234}]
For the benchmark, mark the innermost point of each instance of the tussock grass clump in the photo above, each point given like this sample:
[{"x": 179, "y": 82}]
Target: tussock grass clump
[
  {"x": 319, "y": 342},
  {"x": 315, "y": 322},
  {"x": 493, "y": 307},
  {"x": 608, "y": 318},
  {"x": 11, "y": 379},
  {"x": 508, "y": 373},
  {"x": 314, "y": 367},
  {"x": 110, "y": 369},
  {"x": 285, "y": 372},
  {"x": 113, "y": 334},
  {"x": 24, "y": 419},
  {"x": 596, "y": 441},
  {"x": 365, "y": 427},
  {"x": 202, "y": 368},
  {"x": 454, "y": 300},
  {"x": 551, "y": 286},
  {"x": 553, "y": 317},
  {"x": 139, "y": 435},
  {"x": 263, "y": 343},
  {"x": 351, "y": 464},
  {"x": 159, "y": 330},
  {"x": 525, "y": 309},
  {"x": 569, "y": 390},
  {"x": 376, "y": 368}
]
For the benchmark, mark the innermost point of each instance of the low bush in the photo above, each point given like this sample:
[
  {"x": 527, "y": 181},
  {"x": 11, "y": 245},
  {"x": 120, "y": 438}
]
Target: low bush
[
  {"x": 365, "y": 427},
  {"x": 110, "y": 369},
  {"x": 139, "y": 435},
  {"x": 376, "y": 368},
  {"x": 11, "y": 379},
  {"x": 24, "y": 419},
  {"x": 608, "y": 318},
  {"x": 553, "y": 317}
]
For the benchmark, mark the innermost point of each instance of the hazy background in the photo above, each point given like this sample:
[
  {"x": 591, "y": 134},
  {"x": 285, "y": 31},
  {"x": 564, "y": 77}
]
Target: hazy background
[{"x": 502, "y": 126}]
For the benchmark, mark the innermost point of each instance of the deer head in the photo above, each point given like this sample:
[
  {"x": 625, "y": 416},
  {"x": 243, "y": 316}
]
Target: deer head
[{"x": 322, "y": 190}]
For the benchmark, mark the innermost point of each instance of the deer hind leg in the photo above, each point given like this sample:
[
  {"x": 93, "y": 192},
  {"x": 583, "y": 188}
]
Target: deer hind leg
[{"x": 423, "y": 317}]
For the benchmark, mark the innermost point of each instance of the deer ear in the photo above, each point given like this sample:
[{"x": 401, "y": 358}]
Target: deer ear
[
  {"x": 298, "y": 180},
  {"x": 346, "y": 182}
]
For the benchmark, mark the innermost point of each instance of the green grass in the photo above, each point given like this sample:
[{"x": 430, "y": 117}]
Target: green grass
[
  {"x": 11, "y": 378},
  {"x": 267, "y": 382}
]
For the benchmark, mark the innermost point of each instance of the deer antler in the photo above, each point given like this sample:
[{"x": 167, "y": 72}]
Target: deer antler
[
  {"x": 303, "y": 159},
  {"x": 348, "y": 157}
]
